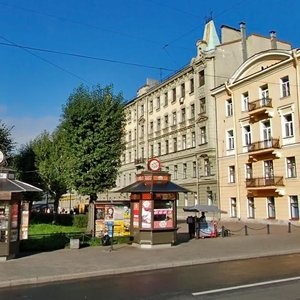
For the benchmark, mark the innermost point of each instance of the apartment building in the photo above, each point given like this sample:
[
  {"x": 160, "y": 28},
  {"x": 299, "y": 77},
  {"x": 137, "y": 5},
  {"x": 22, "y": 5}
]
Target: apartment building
[
  {"x": 175, "y": 121},
  {"x": 258, "y": 138}
]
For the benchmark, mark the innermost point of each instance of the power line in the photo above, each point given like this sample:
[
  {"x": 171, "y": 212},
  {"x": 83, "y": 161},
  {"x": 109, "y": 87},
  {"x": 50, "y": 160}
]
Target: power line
[
  {"x": 10, "y": 43},
  {"x": 83, "y": 56}
]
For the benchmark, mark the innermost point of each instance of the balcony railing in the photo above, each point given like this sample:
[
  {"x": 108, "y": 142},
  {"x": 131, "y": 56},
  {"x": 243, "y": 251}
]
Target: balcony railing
[
  {"x": 260, "y": 103},
  {"x": 262, "y": 181},
  {"x": 261, "y": 145}
]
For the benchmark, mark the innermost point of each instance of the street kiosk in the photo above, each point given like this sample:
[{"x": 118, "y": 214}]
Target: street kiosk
[
  {"x": 14, "y": 213},
  {"x": 153, "y": 207}
]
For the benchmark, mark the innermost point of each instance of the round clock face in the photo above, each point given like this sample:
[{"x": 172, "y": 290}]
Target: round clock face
[{"x": 154, "y": 164}]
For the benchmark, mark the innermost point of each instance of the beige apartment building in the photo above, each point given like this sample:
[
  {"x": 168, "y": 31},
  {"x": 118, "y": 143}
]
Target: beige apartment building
[
  {"x": 258, "y": 138},
  {"x": 175, "y": 120}
]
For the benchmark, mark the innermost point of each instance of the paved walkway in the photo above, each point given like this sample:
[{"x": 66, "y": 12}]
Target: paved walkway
[{"x": 96, "y": 261}]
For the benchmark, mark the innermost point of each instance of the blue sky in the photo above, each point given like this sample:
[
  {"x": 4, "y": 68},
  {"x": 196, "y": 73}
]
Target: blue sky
[{"x": 157, "y": 35}]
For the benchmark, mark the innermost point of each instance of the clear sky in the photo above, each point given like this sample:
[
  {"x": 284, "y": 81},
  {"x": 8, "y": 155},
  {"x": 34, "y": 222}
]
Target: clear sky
[{"x": 131, "y": 40}]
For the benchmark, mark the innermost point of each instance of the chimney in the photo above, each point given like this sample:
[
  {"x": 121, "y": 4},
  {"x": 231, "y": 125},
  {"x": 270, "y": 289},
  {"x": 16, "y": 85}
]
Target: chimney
[
  {"x": 273, "y": 39},
  {"x": 244, "y": 42}
]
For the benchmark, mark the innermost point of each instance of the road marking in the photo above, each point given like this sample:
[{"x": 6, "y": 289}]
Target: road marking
[{"x": 245, "y": 286}]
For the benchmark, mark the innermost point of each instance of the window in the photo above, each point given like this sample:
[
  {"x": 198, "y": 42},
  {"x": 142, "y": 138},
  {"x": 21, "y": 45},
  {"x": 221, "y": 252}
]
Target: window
[
  {"x": 174, "y": 118},
  {"x": 271, "y": 208},
  {"x": 269, "y": 172},
  {"x": 231, "y": 174},
  {"x": 207, "y": 167},
  {"x": 142, "y": 109},
  {"x": 129, "y": 156},
  {"x": 184, "y": 142},
  {"x": 134, "y": 136},
  {"x": 248, "y": 171},
  {"x": 158, "y": 124},
  {"x": 193, "y": 139},
  {"x": 245, "y": 101},
  {"x": 264, "y": 95},
  {"x": 129, "y": 136},
  {"x": 129, "y": 177},
  {"x": 192, "y": 85},
  {"x": 162, "y": 214},
  {"x": 166, "y": 121},
  {"x": 192, "y": 111},
  {"x": 288, "y": 125},
  {"x": 174, "y": 144},
  {"x": 202, "y": 105},
  {"x": 167, "y": 146},
  {"x": 251, "y": 212},
  {"x": 202, "y": 135},
  {"x": 142, "y": 131},
  {"x": 124, "y": 179},
  {"x": 294, "y": 207},
  {"x": 151, "y": 150},
  {"x": 184, "y": 171},
  {"x": 233, "y": 208},
  {"x": 143, "y": 152},
  {"x": 209, "y": 196},
  {"x": 229, "y": 108},
  {"x": 285, "y": 86},
  {"x": 158, "y": 149},
  {"x": 166, "y": 99},
  {"x": 151, "y": 106},
  {"x": 230, "y": 140},
  {"x": 291, "y": 167},
  {"x": 247, "y": 135},
  {"x": 182, "y": 90},
  {"x": 174, "y": 95},
  {"x": 201, "y": 78},
  {"x": 175, "y": 171},
  {"x": 158, "y": 102},
  {"x": 151, "y": 127},
  {"x": 194, "y": 169},
  {"x": 183, "y": 115}
]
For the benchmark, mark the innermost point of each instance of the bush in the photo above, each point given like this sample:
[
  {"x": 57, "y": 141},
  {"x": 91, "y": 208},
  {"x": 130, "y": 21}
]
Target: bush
[{"x": 80, "y": 221}]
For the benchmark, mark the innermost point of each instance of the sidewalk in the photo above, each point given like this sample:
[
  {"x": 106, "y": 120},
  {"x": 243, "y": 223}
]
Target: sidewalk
[{"x": 69, "y": 264}]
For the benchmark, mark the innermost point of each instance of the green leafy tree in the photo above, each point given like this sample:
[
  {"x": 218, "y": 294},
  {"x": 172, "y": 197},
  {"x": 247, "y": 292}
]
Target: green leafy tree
[
  {"x": 48, "y": 160},
  {"x": 92, "y": 124},
  {"x": 24, "y": 164},
  {"x": 6, "y": 142}
]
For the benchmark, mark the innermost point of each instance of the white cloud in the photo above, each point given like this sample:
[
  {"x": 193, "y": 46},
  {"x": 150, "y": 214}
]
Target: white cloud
[{"x": 27, "y": 128}]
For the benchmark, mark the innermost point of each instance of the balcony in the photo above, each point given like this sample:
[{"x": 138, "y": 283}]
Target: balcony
[
  {"x": 139, "y": 161},
  {"x": 260, "y": 109},
  {"x": 263, "y": 149},
  {"x": 264, "y": 182}
]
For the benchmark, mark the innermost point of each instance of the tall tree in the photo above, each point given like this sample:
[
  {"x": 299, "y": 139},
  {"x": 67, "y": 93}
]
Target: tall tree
[
  {"x": 92, "y": 123},
  {"x": 48, "y": 159},
  {"x": 6, "y": 142}
]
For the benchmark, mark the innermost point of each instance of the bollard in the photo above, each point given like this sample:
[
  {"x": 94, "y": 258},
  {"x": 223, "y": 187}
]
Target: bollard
[
  {"x": 268, "y": 228},
  {"x": 223, "y": 231},
  {"x": 246, "y": 230},
  {"x": 289, "y": 227}
]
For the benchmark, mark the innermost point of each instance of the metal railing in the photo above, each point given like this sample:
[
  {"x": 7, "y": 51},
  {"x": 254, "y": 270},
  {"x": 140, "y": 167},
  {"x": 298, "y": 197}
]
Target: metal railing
[
  {"x": 261, "y": 145},
  {"x": 263, "y": 181},
  {"x": 260, "y": 103}
]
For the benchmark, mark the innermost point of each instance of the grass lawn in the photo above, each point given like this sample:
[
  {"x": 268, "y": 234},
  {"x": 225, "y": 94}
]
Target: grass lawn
[{"x": 50, "y": 228}]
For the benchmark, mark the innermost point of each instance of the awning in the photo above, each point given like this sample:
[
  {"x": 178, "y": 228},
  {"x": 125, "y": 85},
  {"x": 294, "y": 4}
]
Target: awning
[
  {"x": 204, "y": 208},
  {"x": 16, "y": 186},
  {"x": 141, "y": 187}
]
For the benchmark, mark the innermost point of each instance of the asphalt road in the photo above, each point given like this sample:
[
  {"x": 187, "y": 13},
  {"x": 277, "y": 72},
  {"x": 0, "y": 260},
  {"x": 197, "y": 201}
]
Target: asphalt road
[{"x": 178, "y": 283}]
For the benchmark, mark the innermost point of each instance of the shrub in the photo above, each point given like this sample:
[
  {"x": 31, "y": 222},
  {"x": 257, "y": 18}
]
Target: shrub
[{"x": 80, "y": 221}]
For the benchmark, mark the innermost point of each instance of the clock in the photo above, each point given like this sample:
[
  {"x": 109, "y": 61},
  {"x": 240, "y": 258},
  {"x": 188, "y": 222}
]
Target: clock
[{"x": 154, "y": 164}]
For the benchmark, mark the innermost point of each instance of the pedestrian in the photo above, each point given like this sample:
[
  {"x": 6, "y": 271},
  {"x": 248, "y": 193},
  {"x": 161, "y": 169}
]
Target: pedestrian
[{"x": 190, "y": 220}]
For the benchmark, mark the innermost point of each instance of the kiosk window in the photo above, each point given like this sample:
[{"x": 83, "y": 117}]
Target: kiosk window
[
  {"x": 163, "y": 214},
  {"x": 4, "y": 213}
]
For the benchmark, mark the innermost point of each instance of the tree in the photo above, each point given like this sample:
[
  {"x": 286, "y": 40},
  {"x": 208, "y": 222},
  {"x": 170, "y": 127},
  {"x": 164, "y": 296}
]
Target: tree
[
  {"x": 24, "y": 164},
  {"x": 92, "y": 124},
  {"x": 48, "y": 160},
  {"x": 6, "y": 142}
]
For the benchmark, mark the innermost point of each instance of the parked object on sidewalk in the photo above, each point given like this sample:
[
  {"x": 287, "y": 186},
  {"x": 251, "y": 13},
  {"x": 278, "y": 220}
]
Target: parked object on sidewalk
[{"x": 190, "y": 220}]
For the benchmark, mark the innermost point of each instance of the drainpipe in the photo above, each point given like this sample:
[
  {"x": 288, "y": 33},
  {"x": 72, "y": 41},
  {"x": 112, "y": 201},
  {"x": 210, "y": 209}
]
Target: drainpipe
[
  {"x": 237, "y": 181},
  {"x": 244, "y": 42},
  {"x": 296, "y": 65}
]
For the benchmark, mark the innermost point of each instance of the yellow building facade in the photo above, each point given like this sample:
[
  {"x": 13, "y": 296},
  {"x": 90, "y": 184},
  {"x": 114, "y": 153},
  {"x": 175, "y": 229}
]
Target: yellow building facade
[{"x": 258, "y": 138}]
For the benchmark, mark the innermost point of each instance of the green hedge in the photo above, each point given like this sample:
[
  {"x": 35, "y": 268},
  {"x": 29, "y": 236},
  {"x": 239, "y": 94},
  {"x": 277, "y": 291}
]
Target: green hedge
[{"x": 80, "y": 221}]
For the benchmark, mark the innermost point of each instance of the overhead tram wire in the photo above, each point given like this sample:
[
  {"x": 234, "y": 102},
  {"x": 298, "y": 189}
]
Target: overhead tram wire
[
  {"x": 27, "y": 48},
  {"x": 12, "y": 44}
]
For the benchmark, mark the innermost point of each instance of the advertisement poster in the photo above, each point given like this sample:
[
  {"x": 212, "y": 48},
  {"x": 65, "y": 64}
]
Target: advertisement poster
[
  {"x": 112, "y": 217},
  {"x": 146, "y": 214},
  {"x": 14, "y": 215},
  {"x": 24, "y": 221},
  {"x": 136, "y": 214},
  {"x": 163, "y": 218}
]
